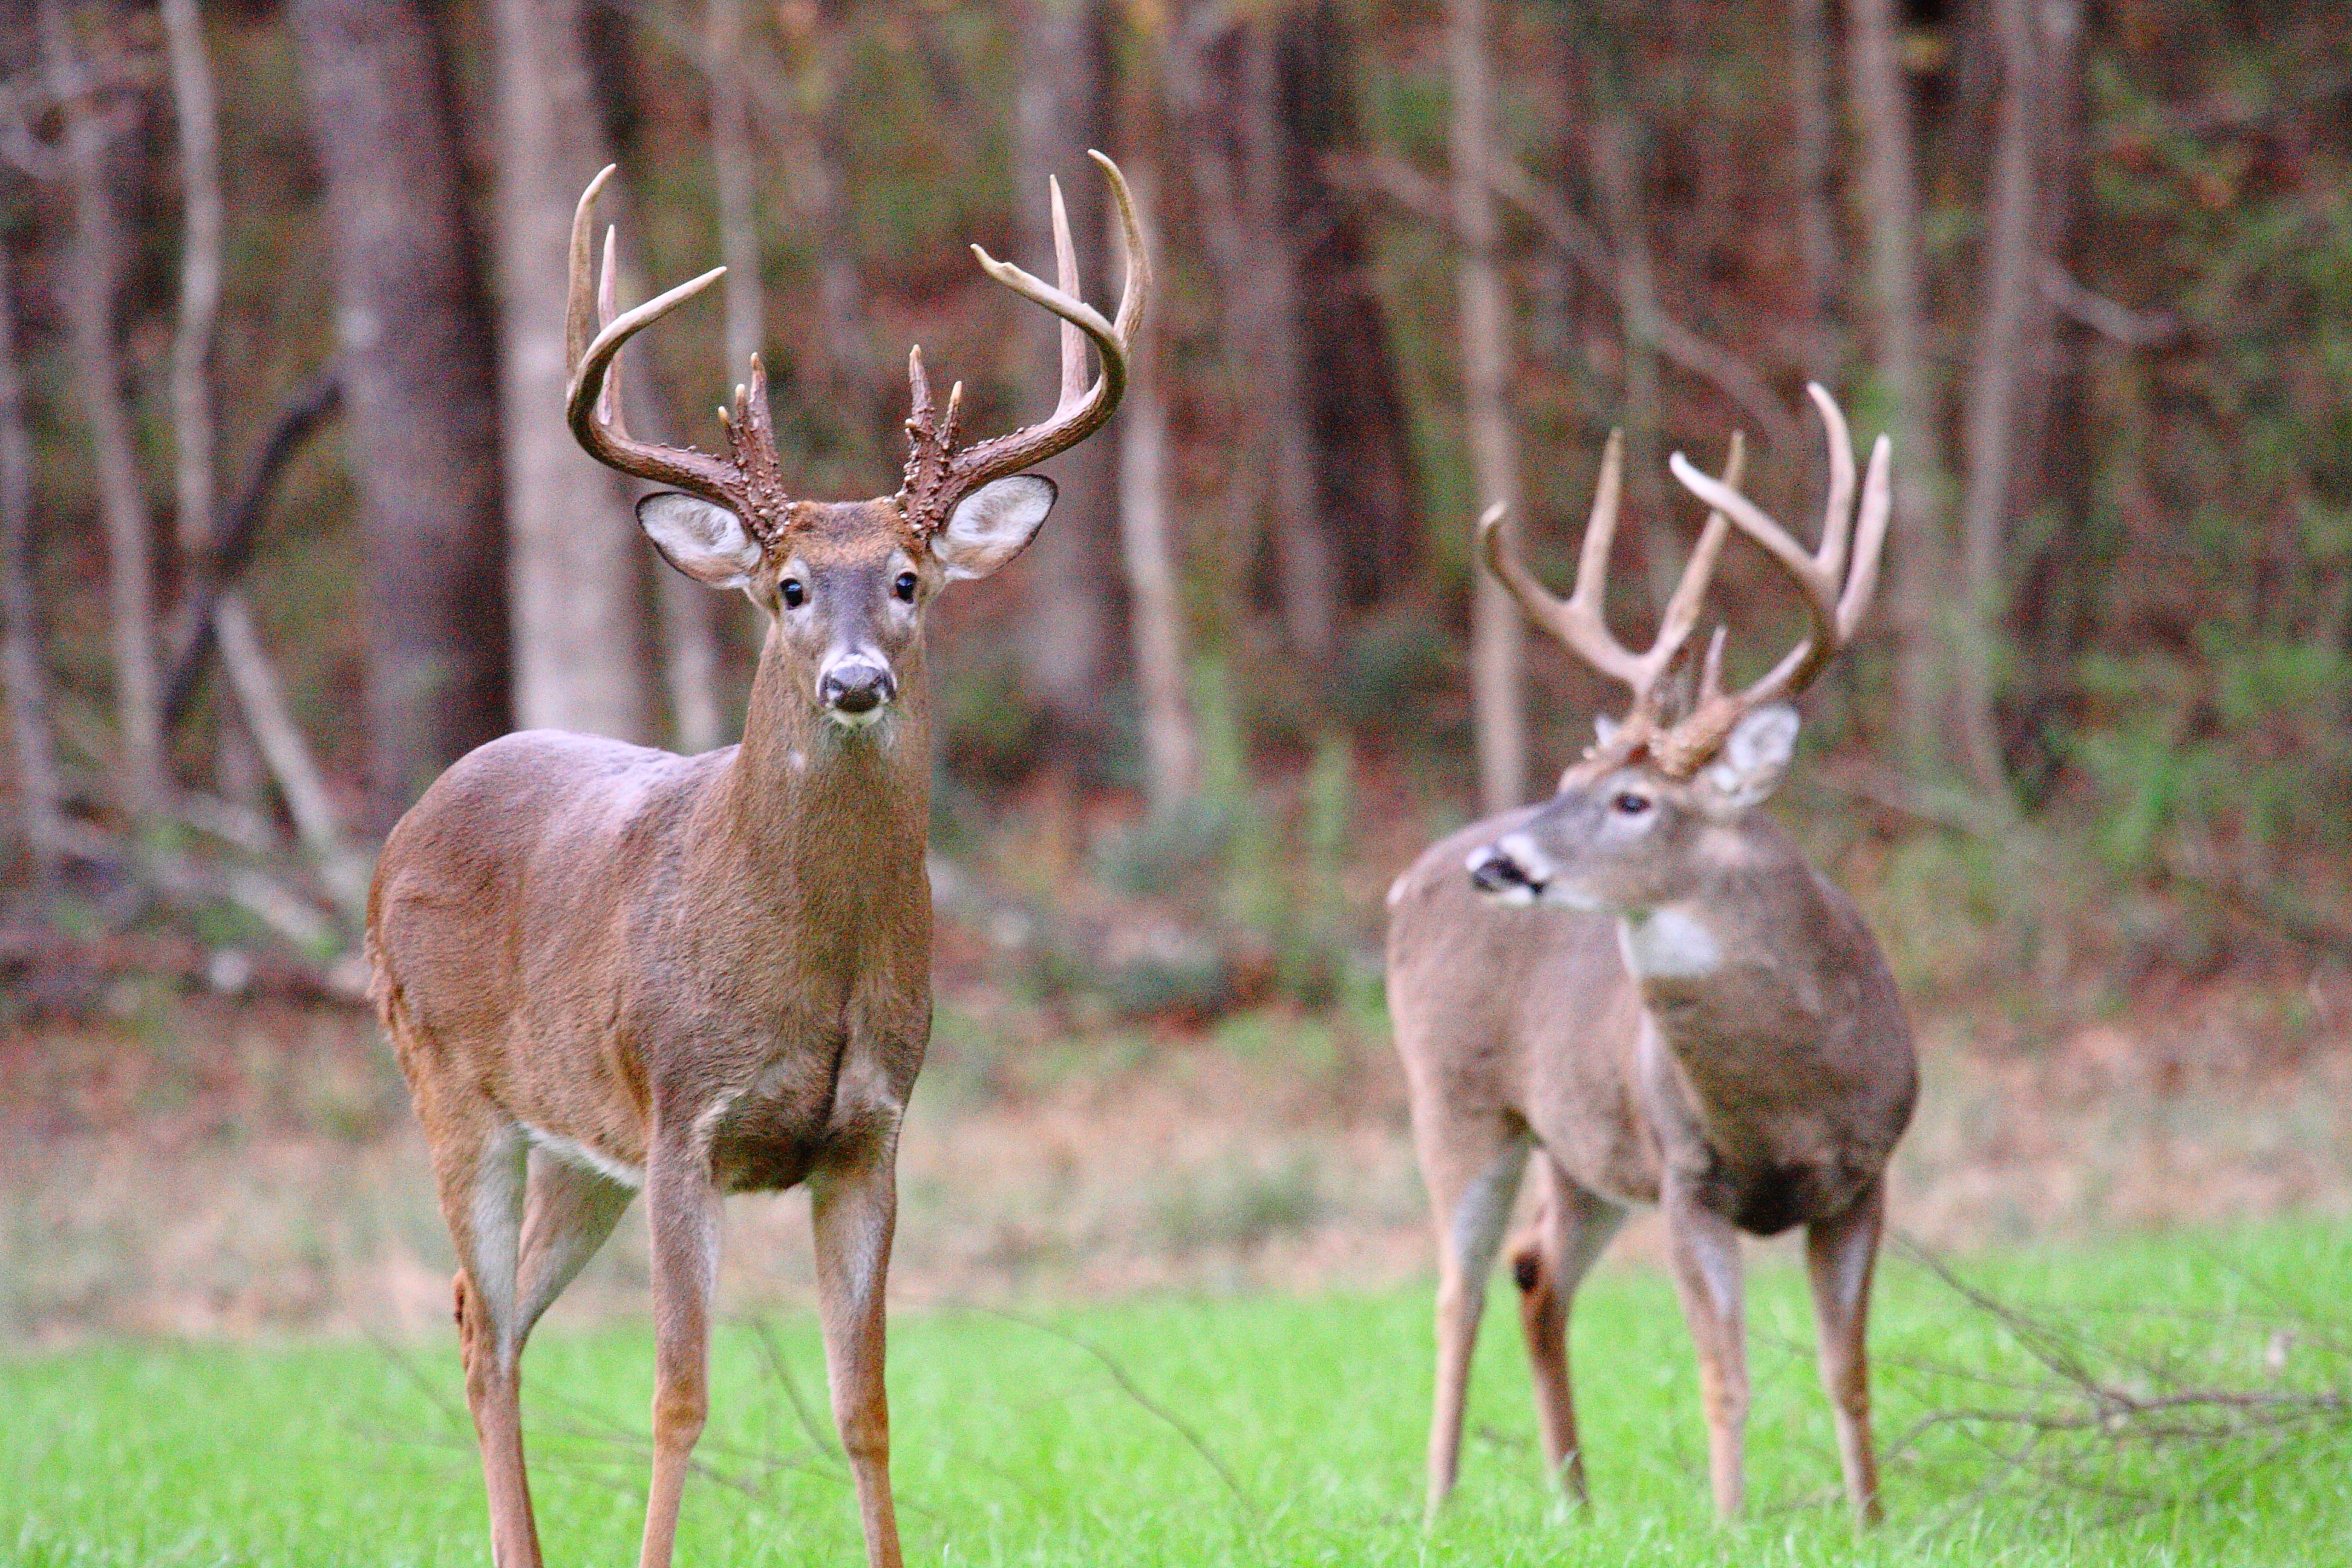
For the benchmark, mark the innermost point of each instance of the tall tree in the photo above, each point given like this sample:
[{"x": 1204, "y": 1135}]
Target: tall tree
[
  {"x": 1497, "y": 650},
  {"x": 1172, "y": 749},
  {"x": 2002, "y": 382},
  {"x": 1810, "y": 158},
  {"x": 21, "y": 656},
  {"x": 1358, "y": 428},
  {"x": 260, "y": 701},
  {"x": 574, "y": 567},
  {"x": 1069, "y": 640},
  {"x": 420, "y": 390},
  {"x": 1265, "y": 312},
  {"x": 94, "y": 269},
  {"x": 1889, "y": 197}
]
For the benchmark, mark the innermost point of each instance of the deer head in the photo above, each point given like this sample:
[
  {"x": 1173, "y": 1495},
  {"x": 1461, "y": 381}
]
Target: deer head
[
  {"x": 1633, "y": 820},
  {"x": 845, "y": 583}
]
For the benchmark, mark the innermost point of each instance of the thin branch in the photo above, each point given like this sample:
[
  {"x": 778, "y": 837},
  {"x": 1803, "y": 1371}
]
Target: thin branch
[
  {"x": 233, "y": 540},
  {"x": 1134, "y": 1392},
  {"x": 2132, "y": 329},
  {"x": 27, "y": 676},
  {"x": 1686, "y": 349}
]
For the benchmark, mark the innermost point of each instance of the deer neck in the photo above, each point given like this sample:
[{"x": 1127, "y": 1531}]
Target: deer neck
[
  {"x": 820, "y": 812},
  {"x": 1750, "y": 956}
]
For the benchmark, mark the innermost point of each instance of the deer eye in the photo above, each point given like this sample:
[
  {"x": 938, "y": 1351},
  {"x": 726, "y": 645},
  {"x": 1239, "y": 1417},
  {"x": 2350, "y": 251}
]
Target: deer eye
[
  {"x": 1630, "y": 804},
  {"x": 794, "y": 592},
  {"x": 906, "y": 586}
]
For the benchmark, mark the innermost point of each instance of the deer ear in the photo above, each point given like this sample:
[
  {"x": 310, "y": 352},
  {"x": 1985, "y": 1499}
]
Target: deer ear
[
  {"x": 706, "y": 543},
  {"x": 1754, "y": 758},
  {"x": 992, "y": 525}
]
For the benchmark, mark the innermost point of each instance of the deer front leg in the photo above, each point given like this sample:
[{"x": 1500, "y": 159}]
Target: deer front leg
[
  {"x": 682, "y": 1213},
  {"x": 855, "y": 1205},
  {"x": 1571, "y": 1226},
  {"x": 1703, "y": 1248},
  {"x": 1472, "y": 1171},
  {"x": 1840, "y": 1256}
]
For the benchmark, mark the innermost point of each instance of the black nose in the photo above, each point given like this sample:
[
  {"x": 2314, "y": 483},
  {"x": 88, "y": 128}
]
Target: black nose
[
  {"x": 857, "y": 688},
  {"x": 1495, "y": 872}
]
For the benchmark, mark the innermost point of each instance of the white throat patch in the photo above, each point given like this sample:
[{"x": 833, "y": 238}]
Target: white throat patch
[{"x": 1667, "y": 944}]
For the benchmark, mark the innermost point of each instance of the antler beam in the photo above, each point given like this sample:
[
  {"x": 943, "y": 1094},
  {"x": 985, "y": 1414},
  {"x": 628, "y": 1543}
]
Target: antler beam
[
  {"x": 748, "y": 482},
  {"x": 939, "y": 473}
]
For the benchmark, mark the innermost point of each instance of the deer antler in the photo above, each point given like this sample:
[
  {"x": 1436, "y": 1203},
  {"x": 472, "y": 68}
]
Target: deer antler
[
  {"x": 748, "y": 482},
  {"x": 939, "y": 473},
  {"x": 1836, "y": 594},
  {"x": 1835, "y": 597}
]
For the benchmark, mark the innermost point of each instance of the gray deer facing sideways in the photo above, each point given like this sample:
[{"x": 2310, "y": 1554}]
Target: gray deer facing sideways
[
  {"x": 1643, "y": 981},
  {"x": 607, "y": 968}
]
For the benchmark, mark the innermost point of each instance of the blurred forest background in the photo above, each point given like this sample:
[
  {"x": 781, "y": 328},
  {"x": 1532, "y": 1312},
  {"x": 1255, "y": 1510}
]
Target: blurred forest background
[{"x": 288, "y": 519}]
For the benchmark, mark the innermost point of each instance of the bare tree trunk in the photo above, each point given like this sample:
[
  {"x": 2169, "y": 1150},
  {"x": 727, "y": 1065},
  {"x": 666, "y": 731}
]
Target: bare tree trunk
[
  {"x": 200, "y": 277},
  {"x": 730, "y": 165},
  {"x": 419, "y": 387},
  {"x": 1617, "y": 172},
  {"x": 574, "y": 567},
  {"x": 1359, "y": 433},
  {"x": 1067, "y": 639},
  {"x": 1809, "y": 155},
  {"x": 1497, "y": 640},
  {"x": 1921, "y": 563},
  {"x": 1999, "y": 386},
  {"x": 260, "y": 700},
  {"x": 1266, "y": 310},
  {"x": 807, "y": 131},
  {"x": 20, "y": 644},
  {"x": 1170, "y": 746},
  {"x": 92, "y": 267}
]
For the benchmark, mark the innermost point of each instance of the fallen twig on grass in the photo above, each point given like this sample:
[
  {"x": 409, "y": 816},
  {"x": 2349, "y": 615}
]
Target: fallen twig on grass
[
  {"x": 1128, "y": 1385},
  {"x": 2072, "y": 1428}
]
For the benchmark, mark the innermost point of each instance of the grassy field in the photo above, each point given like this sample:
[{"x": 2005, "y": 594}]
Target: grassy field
[{"x": 1253, "y": 1430}]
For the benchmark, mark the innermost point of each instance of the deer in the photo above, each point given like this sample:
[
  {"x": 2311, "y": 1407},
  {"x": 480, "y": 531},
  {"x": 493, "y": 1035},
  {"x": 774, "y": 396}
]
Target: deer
[
  {"x": 607, "y": 969},
  {"x": 1641, "y": 987}
]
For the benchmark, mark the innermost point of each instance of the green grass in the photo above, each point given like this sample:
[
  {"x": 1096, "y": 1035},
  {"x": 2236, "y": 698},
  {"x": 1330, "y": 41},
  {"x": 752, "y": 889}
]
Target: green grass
[{"x": 1257, "y": 1430}]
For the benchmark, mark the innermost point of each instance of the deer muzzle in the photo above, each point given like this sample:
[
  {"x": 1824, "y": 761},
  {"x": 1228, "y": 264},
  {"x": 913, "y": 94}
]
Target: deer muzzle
[
  {"x": 855, "y": 688},
  {"x": 1511, "y": 870}
]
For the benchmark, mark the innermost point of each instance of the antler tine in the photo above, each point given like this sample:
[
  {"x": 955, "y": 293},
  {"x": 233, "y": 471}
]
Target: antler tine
[
  {"x": 608, "y": 401},
  {"x": 580, "y": 323},
  {"x": 1869, "y": 540},
  {"x": 1066, "y": 273},
  {"x": 1837, "y": 512},
  {"x": 592, "y": 414},
  {"x": 1835, "y": 606},
  {"x": 1682, "y": 610},
  {"x": 1576, "y": 621}
]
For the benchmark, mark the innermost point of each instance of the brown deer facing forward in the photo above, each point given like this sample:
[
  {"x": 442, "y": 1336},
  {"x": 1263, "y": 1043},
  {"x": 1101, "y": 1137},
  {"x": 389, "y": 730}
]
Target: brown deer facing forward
[
  {"x": 607, "y": 968},
  {"x": 1643, "y": 983}
]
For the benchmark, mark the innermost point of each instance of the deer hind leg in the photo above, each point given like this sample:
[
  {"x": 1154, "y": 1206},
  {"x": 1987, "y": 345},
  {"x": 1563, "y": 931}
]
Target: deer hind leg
[
  {"x": 1472, "y": 1171},
  {"x": 1548, "y": 1262},
  {"x": 1703, "y": 1249},
  {"x": 682, "y": 1214},
  {"x": 479, "y": 1167},
  {"x": 568, "y": 1212},
  {"x": 1840, "y": 1256},
  {"x": 854, "y": 1206}
]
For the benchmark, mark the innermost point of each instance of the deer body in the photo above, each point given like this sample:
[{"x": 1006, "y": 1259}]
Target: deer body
[
  {"x": 608, "y": 970},
  {"x": 1641, "y": 987},
  {"x": 731, "y": 939},
  {"x": 1620, "y": 1073}
]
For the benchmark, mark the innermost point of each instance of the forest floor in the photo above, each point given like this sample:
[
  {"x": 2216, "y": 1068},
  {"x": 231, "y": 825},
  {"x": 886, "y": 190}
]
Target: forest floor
[
  {"x": 2163, "y": 1401},
  {"x": 199, "y": 1167}
]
